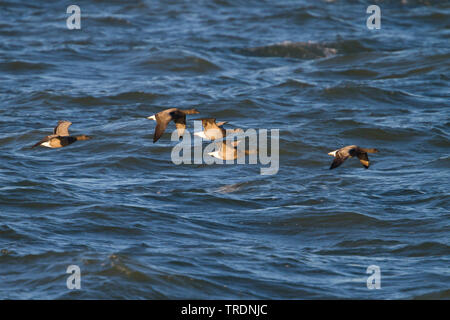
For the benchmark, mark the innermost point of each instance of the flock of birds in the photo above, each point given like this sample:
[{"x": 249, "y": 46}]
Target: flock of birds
[{"x": 211, "y": 131}]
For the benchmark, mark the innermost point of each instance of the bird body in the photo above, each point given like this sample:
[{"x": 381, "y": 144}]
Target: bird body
[{"x": 342, "y": 154}]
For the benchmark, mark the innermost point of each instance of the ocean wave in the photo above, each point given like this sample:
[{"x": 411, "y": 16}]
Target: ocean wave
[
  {"x": 288, "y": 49},
  {"x": 188, "y": 63},
  {"x": 423, "y": 249},
  {"x": 24, "y": 66}
]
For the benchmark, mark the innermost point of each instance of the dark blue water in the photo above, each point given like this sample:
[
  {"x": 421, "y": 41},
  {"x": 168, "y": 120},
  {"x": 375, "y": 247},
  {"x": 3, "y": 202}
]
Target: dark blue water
[{"x": 140, "y": 227}]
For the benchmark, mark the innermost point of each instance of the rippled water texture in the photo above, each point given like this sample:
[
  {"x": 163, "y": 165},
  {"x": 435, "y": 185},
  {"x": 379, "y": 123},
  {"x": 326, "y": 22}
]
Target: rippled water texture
[{"x": 139, "y": 226}]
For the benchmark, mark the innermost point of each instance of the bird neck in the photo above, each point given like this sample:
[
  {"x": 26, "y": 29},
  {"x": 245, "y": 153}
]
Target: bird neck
[{"x": 369, "y": 150}]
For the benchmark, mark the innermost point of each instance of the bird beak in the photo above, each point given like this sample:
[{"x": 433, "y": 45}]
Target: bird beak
[
  {"x": 152, "y": 117},
  {"x": 332, "y": 153}
]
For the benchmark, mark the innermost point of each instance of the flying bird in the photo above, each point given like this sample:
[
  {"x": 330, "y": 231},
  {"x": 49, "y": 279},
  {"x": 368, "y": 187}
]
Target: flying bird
[
  {"x": 60, "y": 137},
  {"x": 164, "y": 117},
  {"x": 211, "y": 129},
  {"x": 342, "y": 154}
]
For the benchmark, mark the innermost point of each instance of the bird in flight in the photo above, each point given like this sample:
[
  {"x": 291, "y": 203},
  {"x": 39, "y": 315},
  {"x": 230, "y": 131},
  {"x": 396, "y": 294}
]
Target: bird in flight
[
  {"x": 164, "y": 117},
  {"x": 60, "y": 137},
  {"x": 342, "y": 154}
]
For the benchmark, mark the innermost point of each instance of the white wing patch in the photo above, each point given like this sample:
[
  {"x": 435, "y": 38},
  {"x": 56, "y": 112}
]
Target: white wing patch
[
  {"x": 201, "y": 134},
  {"x": 333, "y": 153}
]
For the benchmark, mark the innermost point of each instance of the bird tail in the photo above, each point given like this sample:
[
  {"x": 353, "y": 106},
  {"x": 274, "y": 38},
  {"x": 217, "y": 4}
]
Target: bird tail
[{"x": 219, "y": 124}]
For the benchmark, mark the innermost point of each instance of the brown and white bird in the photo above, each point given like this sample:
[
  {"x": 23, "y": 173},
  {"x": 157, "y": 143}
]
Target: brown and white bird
[
  {"x": 342, "y": 154},
  {"x": 164, "y": 117},
  {"x": 215, "y": 131},
  {"x": 60, "y": 137},
  {"x": 211, "y": 129}
]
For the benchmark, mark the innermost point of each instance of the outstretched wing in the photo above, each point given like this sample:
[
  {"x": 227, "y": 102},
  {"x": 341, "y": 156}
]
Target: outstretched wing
[
  {"x": 364, "y": 159},
  {"x": 47, "y": 138},
  {"x": 338, "y": 160},
  {"x": 62, "y": 129},
  {"x": 161, "y": 125}
]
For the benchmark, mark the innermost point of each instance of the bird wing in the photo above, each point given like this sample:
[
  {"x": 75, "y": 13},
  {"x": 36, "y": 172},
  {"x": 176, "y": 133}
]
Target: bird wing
[
  {"x": 47, "y": 138},
  {"x": 161, "y": 125},
  {"x": 364, "y": 159},
  {"x": 62, "y": 129},
  {"x": 339, "y": 159}
]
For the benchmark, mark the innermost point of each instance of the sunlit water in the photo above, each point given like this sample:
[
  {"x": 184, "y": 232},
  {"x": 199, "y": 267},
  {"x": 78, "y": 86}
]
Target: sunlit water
[{"x": 139, "y": 226}]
